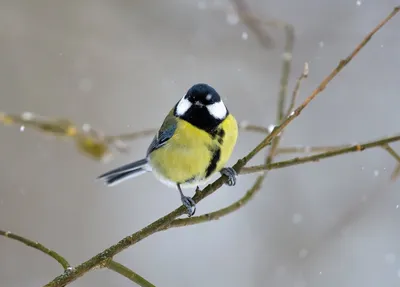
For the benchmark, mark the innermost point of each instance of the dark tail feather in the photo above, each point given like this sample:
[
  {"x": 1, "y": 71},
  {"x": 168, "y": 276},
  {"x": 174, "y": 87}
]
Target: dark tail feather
[{"x": 124, "y": 172}]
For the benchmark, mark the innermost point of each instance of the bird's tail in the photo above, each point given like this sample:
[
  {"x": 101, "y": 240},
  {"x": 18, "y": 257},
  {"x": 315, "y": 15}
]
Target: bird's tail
[{"x": 124, "y": 172}]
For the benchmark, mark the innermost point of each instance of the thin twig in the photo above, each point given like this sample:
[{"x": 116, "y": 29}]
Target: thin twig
[
  {"x": 308, "y": 149},
  {"x": 297, "y": 88},
  {"x": 286, "y": 67},
  {"x": 132, "y": 136},
  {"x": 36, "y": 245},
  {"x": 393, "y": 153},
  {"x": 161, "y": 223},
  {"x": 128, "y": 273},
  {"x": 318, "y": 157}
]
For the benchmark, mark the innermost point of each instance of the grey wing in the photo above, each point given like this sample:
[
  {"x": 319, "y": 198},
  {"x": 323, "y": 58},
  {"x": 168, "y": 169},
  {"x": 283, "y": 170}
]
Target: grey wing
[{"x": 166, "y": 132}]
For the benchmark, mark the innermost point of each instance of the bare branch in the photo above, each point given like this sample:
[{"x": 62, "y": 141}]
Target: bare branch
[
  {"x": 318, "y": 157},
  {"x": 36, "y": 245}
]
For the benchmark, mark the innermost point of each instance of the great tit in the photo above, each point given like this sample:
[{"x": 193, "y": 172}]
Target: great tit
[{"x": 195, "y": 140}]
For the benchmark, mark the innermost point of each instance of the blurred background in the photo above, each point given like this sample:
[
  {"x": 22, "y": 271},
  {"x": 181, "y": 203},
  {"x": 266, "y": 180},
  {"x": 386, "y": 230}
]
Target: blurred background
[{"x": 121, "y": 65}]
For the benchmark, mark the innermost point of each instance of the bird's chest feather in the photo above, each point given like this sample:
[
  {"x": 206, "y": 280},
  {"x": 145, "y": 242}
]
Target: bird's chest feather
[{"x": 190, "y": 155}]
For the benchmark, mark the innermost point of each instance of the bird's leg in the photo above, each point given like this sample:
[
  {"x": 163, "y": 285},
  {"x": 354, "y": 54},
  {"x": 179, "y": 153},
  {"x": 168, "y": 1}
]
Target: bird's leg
[
  {"x": 231, "y": 174},
  {"x": 188, "y": 202}
]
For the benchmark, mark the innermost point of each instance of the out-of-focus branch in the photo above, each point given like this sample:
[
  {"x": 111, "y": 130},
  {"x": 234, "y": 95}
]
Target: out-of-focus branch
[
  {"x": 36, "y": 245},
  {"x": 128, "y": 273},
  {"x": 254, "y": 23}
]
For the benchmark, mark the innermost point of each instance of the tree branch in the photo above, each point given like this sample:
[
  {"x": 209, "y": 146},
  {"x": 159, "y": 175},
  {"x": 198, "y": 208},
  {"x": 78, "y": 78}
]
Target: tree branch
[
  {"x": 318, "y": 157},
  {"x": 36, "y": 245}
]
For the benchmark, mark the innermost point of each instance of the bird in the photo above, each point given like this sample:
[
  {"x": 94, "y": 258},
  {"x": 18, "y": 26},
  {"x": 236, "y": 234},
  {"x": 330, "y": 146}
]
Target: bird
[{"x": 195, "y": 140}]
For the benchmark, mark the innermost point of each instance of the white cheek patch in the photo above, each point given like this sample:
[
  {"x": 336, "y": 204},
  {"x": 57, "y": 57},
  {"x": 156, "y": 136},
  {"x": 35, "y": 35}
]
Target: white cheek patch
[
  {"x": 217, "y": 110},
  {"x": 183, "y": 106}
]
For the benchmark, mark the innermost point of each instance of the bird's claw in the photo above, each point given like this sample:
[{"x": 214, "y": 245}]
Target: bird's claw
[
  {"x": 231, "y": 174},
  {"x": 189, "y": 203}
]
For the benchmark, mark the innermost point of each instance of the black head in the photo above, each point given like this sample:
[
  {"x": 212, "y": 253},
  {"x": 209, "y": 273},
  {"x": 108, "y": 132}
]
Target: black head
[
  {"x": 202, "y": 94},
  {"x": 202, "y": 107}
]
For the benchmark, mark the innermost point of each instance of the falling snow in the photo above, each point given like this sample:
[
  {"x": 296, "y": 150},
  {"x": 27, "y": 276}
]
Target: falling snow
[
  {"x": 86, "y": 127},
  {"x": 244, "y": 124},
  {"x": 22, "y": 128},
  {"x": 358, "y": 2},
  {"x": 232, "y": 18},
  {"x": 297, "y": 218},
  {"x": 376, "y": 172},
  {"x": 245, "y": 36},
  {"x": 270, "y": 128},
  {"x": 303, "y": 253},
  {"x": 321, "y": 44},
  {"x": 27, "y": 116}
]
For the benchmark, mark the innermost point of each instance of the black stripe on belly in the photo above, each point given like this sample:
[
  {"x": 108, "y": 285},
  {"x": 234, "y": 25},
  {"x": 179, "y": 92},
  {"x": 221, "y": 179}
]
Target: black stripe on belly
[
  {"x": 216, "y": 154},
  {"x": 218, "y": 134}
]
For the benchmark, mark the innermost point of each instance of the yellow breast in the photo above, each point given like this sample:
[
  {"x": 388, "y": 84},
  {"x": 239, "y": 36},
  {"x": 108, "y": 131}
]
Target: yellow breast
[{"x": 193, "y": 155}]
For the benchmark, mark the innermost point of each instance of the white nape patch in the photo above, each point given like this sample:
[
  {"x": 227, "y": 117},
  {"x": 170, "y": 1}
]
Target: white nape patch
[
  {"x": 217, "y": 110},
  {"x": 183, "y": 106},
  {"x": 208, "y": 97}
]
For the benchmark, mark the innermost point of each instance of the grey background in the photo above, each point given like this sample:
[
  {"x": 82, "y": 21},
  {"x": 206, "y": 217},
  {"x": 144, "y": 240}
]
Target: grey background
[{"x": 121, "y": 65}]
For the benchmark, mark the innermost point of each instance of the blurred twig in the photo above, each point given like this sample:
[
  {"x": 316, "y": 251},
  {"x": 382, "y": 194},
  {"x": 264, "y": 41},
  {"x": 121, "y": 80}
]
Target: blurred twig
[
  {"x": 36, "y": 245},
  {"x": 255, "y": 24},
  {"x": 88, "y": 140}
]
